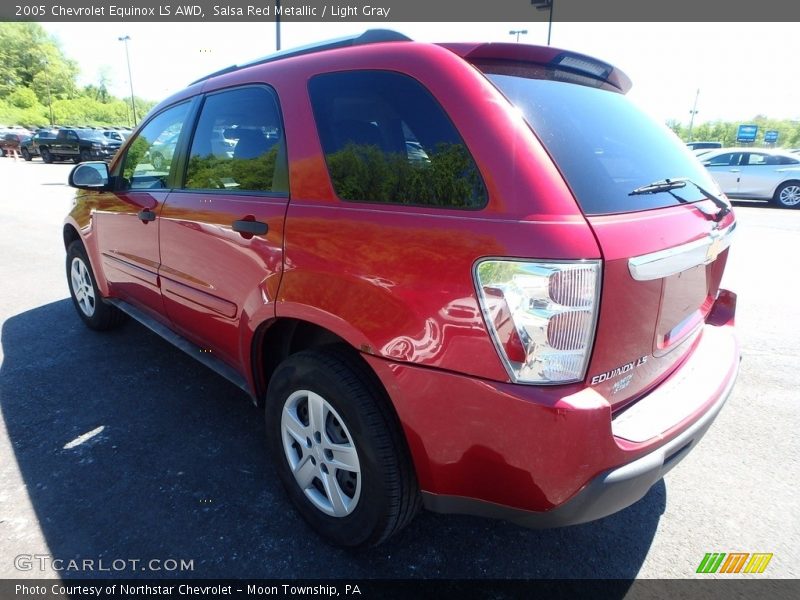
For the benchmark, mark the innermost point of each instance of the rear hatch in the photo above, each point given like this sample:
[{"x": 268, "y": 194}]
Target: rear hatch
[{"x": 661, "y": 225}]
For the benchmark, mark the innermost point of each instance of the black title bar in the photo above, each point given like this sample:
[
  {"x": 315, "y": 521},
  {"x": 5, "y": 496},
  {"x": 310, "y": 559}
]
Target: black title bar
[{"x": 387, "y": 11}]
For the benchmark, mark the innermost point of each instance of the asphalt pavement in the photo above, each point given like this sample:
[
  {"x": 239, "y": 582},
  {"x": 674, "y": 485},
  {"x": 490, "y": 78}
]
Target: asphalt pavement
[{"x": 175, "y": 467}]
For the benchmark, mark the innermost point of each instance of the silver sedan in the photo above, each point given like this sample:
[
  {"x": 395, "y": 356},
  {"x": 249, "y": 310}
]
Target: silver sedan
[{"x": 756, "y": 173}]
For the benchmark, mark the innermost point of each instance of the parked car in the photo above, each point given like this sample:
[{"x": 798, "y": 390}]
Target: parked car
[
  {"x": 79, "y": 145},
  {"x": 113, "y": 134},
  {"x": 162, "y": 149},
  {"x": 494, "y": 288},
  {"x": 10, "y": 143},
  {"x": 704, "y": 145},
  {"x": 758, "y": 174},
  {"x": 30, "y": 146}
]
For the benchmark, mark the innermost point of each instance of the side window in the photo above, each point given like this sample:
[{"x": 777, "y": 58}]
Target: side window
[
  {"x": 759, "y": 159},
  {"x": 386, "y": 139},
  {"x": 239, "y": 144},
  {"x": 148, "y": 162},
  {"x": 787, "y": 160},
  {"x": 723, "y": 160}
]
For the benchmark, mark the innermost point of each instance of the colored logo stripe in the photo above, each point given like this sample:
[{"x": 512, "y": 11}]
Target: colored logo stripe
[
  {"x": 734, "y": 562},
  {"x": 713, "y": 562},
  {"x": 758, "y": 563}
]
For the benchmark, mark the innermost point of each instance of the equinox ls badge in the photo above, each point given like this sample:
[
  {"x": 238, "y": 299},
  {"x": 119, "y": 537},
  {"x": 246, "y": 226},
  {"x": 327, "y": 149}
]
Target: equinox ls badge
[{"x": 618, "y": 371}]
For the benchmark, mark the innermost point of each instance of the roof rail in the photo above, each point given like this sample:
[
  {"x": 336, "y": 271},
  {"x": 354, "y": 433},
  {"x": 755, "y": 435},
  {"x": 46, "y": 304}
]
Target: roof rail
[{"x": 371, "y": 36}]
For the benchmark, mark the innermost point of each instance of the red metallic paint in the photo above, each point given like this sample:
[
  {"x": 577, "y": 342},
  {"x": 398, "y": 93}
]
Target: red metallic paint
[
  {"x": 396, "y": 282},
  {"x": 531, "y": 448},
  {"x": 635, "y": 315},
  {"x": 210, "y": 273}
]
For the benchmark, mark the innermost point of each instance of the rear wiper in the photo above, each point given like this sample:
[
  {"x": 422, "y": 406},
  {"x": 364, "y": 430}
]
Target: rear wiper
[
  {"x": 664, "y": 185},
  {"x": 667, "y": 185}
]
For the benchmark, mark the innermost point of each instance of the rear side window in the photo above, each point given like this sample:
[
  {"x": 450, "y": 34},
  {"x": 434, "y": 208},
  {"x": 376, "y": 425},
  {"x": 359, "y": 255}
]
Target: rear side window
[
  {"x": 386, "y": 139},
  {"x": 604, "y": 146},
  {"x": 238, "y": 145}
]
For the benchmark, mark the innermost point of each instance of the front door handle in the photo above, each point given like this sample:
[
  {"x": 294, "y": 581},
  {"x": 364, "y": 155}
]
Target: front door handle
[
  {"x": 250, "y": 228},
  {"x": 146, "y": 215}
]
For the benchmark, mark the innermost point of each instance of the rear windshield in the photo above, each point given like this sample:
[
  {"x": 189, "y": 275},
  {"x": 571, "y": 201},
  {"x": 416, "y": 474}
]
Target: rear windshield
[{"x": 603, "y": 144}]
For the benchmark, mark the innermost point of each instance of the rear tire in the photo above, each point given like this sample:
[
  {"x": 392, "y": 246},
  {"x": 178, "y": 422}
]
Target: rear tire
[
  {"x": 26, "y": 155},
  {"x": 338, "y": 448},
  {"x": 92, "y": 309},
  {"x": 788, "y": 195}
]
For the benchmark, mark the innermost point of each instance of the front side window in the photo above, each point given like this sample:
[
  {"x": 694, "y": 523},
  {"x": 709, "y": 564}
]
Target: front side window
[
  {"x": 148, "y": 161},
  {"x": 386, "y": 139},
  {"x": 727, "y": 159},
  {"x": 238, "y": 145}
]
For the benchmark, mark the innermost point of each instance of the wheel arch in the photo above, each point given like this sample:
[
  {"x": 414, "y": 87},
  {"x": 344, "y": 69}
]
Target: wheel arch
[
  {"x": 278, "y": 338},
  {"x": 70, "y": 234},
  {"x": 281, "y": 337}
]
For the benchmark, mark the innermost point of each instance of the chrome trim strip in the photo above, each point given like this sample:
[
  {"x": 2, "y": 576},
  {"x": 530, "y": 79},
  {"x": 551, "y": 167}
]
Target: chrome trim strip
[{"x": 671, "y": 261}]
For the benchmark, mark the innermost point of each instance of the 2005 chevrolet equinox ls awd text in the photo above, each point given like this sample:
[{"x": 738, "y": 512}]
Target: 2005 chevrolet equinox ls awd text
[{"x": 473, "y": 277}]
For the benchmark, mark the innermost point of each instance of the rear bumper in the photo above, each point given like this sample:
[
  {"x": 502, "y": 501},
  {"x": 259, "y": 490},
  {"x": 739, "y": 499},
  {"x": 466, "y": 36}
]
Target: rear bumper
[
  {"x": 604, "y": 495},
  {"x": 552, "y": 456}
]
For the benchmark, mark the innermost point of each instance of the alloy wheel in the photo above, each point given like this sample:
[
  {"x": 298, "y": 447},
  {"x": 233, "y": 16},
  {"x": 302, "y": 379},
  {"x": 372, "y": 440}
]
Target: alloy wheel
[{"x": 82, "y": 286}]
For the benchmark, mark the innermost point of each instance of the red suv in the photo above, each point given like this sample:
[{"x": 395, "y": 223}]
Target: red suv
[{"x": 472, "y": 277}]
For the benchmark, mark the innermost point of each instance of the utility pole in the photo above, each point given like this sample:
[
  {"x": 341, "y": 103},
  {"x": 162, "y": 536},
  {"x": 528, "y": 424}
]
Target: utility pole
[
  {"x": 49, "y": 99},
  {"x": 277, "y": 26},
  {"x": 125, "y": 39},
  {"x": 693, "y": 112},
  {"x": 546, "y": 5}
]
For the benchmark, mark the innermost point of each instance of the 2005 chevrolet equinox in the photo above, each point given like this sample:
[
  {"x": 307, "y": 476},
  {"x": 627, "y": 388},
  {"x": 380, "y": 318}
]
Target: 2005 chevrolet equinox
[{"x": 473, "y": 277}]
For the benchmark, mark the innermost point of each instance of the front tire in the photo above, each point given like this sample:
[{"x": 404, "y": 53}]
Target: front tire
[
  {"x": 46, "y": 156},
  {"x": 85, "y": 156},
  {"x": 26, "y": 155},
  {"x": 788, "y": 195},
  {"x": 92, "y": 309},
  {"x": 338, "y": 448}
]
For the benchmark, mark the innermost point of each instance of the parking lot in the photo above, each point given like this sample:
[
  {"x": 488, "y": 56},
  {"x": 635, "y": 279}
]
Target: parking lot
[{"x": 179, "y": 472}]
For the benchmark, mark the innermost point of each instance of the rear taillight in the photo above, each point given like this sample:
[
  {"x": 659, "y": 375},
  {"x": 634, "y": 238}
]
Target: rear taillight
[{"x": 541, "y": 316}]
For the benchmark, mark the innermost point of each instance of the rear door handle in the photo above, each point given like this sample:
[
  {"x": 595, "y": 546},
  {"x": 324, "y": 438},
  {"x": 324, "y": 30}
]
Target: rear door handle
[
  {"x": 146, "y": 215},
  {"x": 250, "y": 227}
]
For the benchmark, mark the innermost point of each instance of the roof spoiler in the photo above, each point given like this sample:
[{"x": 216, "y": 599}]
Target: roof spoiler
[{"x": 561, "y": 60}]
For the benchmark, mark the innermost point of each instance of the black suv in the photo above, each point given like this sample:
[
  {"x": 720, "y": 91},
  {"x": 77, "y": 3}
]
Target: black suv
[
  {"x": 30, "y": 145},
  {"x": 79, "y": 145}
]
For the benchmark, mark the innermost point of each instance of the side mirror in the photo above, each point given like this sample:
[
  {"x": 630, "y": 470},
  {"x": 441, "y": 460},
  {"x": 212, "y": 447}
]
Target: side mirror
[{"x": 90, "y": 176}]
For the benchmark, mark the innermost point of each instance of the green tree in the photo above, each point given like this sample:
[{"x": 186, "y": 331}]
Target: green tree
[{"x": 26, "y": 51}]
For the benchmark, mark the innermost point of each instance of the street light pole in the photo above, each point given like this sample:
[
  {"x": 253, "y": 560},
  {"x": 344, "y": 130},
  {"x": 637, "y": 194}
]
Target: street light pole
[
  {"x": 49, "y": 99},
  {"x": 277, "y": 25},
  {"x": 546, "y": 5},
  {"x": 125, "y": 39},
  {"x": 517, "y": 32},
  {"x": 693, "y": 112}
]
